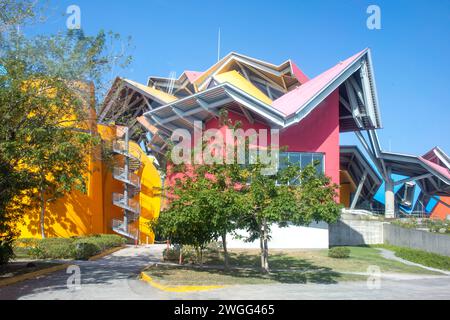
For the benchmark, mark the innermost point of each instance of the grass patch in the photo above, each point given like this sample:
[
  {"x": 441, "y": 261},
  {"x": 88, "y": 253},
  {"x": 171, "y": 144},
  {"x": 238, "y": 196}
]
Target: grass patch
[
  {"x": 425, "y": 258},
  {"x": 287, "y": 266},
  {"x": 196, "y": 276},
  {"x": 81, "y": 248},
  {"x": 314, "y": 260}
]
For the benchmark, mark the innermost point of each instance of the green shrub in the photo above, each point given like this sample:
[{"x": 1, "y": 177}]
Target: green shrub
[
  {"x": 26, "y": 242},
  {"x": 6, "y": 252},
  {"x": 189, "y": 254},
  {"x": 171, "y": 254},
  {"x": 85, "y": 250},
  {"x": 410, "y": 223},
  {"x": 438, "y": 226},
  {"x": 69, "y": 248},
  {"x": 339, "y": 252},
  {"x": 54, "y": 248},
  {"x": 214, "y": 247},
  {"x": 425, "y": 258}
]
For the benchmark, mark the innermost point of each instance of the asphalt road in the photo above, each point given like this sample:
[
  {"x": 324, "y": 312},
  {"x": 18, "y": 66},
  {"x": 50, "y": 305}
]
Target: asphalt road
[{"x": 115, "y": 277}]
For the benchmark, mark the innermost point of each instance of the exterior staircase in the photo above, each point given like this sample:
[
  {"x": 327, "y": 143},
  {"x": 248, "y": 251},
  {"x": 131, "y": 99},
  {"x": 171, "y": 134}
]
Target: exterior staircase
[{"x": 132, "y": 186}]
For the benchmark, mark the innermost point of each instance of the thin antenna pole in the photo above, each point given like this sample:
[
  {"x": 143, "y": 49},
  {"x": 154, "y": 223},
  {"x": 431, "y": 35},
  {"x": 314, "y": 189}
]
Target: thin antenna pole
[{"x": 218, "y": 48}]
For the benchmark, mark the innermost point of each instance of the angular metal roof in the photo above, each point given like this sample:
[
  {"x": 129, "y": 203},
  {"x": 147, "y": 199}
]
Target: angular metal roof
[
  {"x": 355, "y": 163},
  {"x": 432, "y": 178},
  {"x": 355, "y": 75}
]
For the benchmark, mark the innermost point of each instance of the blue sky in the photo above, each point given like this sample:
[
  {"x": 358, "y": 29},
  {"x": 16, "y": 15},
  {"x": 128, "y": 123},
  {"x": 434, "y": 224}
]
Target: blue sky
[{"x": 411, "y": 52}]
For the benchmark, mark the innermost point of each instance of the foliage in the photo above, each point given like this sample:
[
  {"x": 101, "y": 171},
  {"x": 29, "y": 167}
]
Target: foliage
[
  {"x": 438, "y": 226},
  {"x": 190, "y": 255},
  {"x": 84, "y": 250},
  {"x": 407, "y": 224},
  {"x": 69, "y": 248},
  {"x": 6, "y": 252},
  {"x": 212, "y": 200},
  {"x": 339, "y": 252},
  {"x": 274, "y": 199},
  {"x": 17, "y": 12},
  {"x": 425, "y": 258},
  {"x": 171, "y": 254},
  {"x": 46, "y": 101},
  {"x": 433, "y": 225}
]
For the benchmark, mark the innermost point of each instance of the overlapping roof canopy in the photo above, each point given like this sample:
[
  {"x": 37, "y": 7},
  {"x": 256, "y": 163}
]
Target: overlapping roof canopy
[
  {"x": 353, "y": 77},
  {"x": 356, "y": 165}
]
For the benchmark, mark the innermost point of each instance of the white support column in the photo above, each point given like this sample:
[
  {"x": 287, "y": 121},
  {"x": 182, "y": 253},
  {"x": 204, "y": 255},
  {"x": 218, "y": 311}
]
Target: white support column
[{"x": 389, "y": 196}]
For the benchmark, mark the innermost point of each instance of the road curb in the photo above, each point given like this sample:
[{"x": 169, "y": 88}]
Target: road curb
[
  {"x": 180, "y": 289},
  {"x": 32, "y": 275},
  {"x": 105, "y": 253}
]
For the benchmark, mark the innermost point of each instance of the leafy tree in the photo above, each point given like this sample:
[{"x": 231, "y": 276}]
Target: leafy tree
[
  {"x": 46, "y": 101},
  {"x": 187, "y": 220},
  {"x": 215, "y": 199},
  {"x": 279, "y": 200}
]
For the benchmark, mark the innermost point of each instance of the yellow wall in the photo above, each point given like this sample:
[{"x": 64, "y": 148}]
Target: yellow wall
[
  {"x": 344, "y": 193},
  {"x": 346, "y": 188},
  {"x": 82, "y": 214}
]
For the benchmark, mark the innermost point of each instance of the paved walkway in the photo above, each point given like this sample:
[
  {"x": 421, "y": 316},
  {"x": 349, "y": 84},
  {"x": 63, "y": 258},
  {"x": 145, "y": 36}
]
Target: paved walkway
[
  {"x": 388, "y": 254},
  {"x": 112, "y": 277},
  {"x": 115, "y": 277}
]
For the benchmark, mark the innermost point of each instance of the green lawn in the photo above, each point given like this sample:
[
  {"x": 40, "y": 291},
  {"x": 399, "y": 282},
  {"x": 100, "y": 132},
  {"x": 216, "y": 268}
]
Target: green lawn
[
  {"x": 422, "y": 257},
  {"x": 192, "y": 276},
  {"x": 312, "y": 260},
  {"x": 287, "y": 266}
]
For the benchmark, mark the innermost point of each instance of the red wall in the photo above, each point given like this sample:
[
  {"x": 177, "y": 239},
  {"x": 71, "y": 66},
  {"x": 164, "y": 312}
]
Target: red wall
[{"x": 318, "y": 132}]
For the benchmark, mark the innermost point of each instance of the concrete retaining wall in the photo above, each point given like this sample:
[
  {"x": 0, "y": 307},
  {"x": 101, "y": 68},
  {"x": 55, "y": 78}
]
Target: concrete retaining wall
[
  {"x": 417, "y": 239},
  {"x": 355, "y": 230}
]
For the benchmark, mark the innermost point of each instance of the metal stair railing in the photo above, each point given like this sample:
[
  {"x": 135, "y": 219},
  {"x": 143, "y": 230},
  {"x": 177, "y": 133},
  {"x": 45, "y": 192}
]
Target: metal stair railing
[
  {"x": 127, "y": 177},
  {"x": 131, "y": 208},
  {"x": 127, "y": 204},
  {"x": 129, "y": 230},
  {"x": 119, "y": 146}
]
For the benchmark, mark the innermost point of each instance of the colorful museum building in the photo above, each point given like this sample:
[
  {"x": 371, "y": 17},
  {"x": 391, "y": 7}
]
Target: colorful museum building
[{"x": 310, "y": 114}]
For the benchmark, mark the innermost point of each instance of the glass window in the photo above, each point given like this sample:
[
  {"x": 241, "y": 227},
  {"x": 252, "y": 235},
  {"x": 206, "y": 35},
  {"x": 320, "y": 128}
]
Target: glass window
[
  {"x": 307, "y": 159},
  {"x": 284, "y": 160},
  {"x": 318, "y": 158},
  {"x": 294, "y": 157},
  {"x": 302, "y": 159}
]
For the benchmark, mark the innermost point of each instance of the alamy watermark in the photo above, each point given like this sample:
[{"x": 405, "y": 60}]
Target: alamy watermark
[
  {"x": 374, "y": 278},
  {"x": 374, "y": 20},
  {"x": 74, "y": 280},
  {"x": 73, "y": 22}
]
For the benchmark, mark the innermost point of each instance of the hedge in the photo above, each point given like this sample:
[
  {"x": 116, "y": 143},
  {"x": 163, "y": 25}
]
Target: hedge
[{"x": 80, "y": 248}]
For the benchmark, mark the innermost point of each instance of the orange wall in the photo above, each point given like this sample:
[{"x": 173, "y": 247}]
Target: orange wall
[
  {"x": 79, "y": 214},
  {"x": 441, "y": 211}
]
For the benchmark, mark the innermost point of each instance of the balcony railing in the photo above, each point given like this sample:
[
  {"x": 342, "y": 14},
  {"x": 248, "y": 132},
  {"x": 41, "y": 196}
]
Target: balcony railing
[
  {"x": 129, "y": 231},
  {"x": 127, "y": 177},
  {"x": 119, "y": 146},
  {"x": 130, "y": 205}
]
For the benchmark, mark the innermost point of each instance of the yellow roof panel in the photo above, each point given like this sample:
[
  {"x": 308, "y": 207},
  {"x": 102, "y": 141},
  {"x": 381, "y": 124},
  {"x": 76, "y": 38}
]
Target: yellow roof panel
[
  {"x": 158, "y": 94},
  {"x": 234, "y": 78}
]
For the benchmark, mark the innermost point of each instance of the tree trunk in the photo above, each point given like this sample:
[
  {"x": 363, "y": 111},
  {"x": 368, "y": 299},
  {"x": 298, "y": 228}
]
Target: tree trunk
[
  {"x": 180, "y": 257},
  {"x": 42, "y": 216},
  {"x": 225, "y": 252},
  {"x": 261, "y": 244},
  {"x": 266, "y": 247}
]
